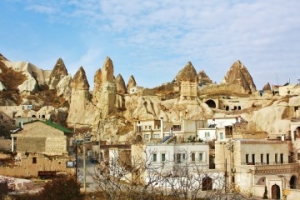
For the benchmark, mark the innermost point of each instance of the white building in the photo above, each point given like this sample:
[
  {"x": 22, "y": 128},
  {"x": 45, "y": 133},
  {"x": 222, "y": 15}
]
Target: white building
[
  {"x": 188, "y": 161},
  {"x": 218, "y": 128},
  {"x": 157, "y": 130}
]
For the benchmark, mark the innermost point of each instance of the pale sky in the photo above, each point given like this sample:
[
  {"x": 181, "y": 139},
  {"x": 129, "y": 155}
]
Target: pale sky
[{"x": 153, "y": 40}]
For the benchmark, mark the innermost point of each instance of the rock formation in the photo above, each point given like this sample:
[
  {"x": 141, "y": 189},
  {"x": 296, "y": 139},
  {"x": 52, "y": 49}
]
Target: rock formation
[
  {"x": 267, "y": 87},
  {"x": 238, "y": 75},
  {"x": 97, "y": 85},
  {"x": 203, "y": 79},
  {"x": 188, "y": 79},
  {"x": 63, "y": 88},
  {"x": 58, "y": 73},
  {"x": 188, "y": 73},
  {"x": 35, "y": 76},
  {"x": 106, "y": 94},
  {"x": 120, "y": 83},
  {"x": 81, "y": 110},
  {"x": 108, "y": 71},
  {"x": 131, "y": 83},
  {"x": 115, "y": 110}
]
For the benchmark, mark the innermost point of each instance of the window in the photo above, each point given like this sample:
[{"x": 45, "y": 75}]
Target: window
[
  {"x": 163, "y": 157},
  {"x": 154, "y": 157},
  {"x": 155, "y": 135},
  {"x": 247, "y": 158},
  {"x": 276, "y": 158},
  {"x": 221, "y": 136},
  {"x": 178, "y": 158},
  {"x": 34, "y": 160},
  {"x": 281, "y": 158},
  {"x": 150, "y": 127},
  {"x": 200, "y": 156},
  {"x": 262, "y": 158},
  {"x": 193, "y": 157},
  {"x": 268, "y": 158},
  {"x": 207, "y": 134},
  {"x": 298, "y": 155},
  {"x": 253, "y": 159},
  {"x": 146, "y": 136}
]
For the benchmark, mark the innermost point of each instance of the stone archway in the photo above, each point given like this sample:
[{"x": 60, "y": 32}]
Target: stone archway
[
  {"x": 275, "y": 191},
  {"x": 211, "y": 103},
  {"x": 293, "y": 182}
]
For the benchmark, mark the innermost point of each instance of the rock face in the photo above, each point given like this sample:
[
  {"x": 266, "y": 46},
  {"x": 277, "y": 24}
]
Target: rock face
[
  {"x": 267, "y": 87},
  {"x": 97, "y": 85},
  {"x": 81, "y": 109},
  {"x": 120, "y": 84},
  {"x": 2, "y": 58},
  {"x": 131, "y": 83},
  {"x": 239, "y": 75},
  {"x": 58, "y": 73},
  {"x": 203, "y": 79},
  {"x": 35, "y": 76},
  {"x": 188, "y": 73},
  {"x": 273, "y": 119},
  {"x": 63, "y": 88}
]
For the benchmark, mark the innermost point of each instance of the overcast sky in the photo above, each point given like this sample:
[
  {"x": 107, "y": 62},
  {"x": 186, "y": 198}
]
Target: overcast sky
[{"x": 153, "y": 40}]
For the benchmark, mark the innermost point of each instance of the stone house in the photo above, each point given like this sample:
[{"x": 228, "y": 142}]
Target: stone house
[
  {"x": 39, "y": 146},
  {"x": 261, "y": 167}
]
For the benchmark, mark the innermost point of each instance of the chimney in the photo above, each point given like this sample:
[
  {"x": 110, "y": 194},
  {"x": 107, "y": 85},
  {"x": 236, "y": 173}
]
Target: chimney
[{"x": 161, "y": 127}]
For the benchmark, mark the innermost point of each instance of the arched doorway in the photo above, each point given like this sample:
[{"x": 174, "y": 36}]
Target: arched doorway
[
  {"x": 206, "y": 183},
  {"x": 275, "y": 192},
  {"x": 293, "y": 182},
  {"x": 211, "y": 103}
]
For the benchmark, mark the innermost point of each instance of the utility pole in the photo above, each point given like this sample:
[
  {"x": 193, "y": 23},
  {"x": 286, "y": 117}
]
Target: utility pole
[{"x": 84, "y": 168}]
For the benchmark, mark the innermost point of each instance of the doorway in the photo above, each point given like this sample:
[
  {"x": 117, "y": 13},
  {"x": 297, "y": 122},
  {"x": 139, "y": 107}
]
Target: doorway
[{"x": 275, "y": 191}]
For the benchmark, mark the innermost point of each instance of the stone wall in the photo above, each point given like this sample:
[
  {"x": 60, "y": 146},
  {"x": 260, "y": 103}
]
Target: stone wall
[
  {"x": 27, "y": 167},
  {"x": 31, "y": 144}
]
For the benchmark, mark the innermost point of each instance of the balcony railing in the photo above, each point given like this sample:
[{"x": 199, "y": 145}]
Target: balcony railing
[{"x": 274, "y": 168}]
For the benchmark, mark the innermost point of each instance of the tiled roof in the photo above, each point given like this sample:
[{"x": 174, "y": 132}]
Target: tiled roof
[{"x": 57, "y": 126}]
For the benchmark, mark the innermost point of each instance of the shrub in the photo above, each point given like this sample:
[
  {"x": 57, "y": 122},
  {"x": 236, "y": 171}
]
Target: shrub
[{"x": 62, "y": 188}]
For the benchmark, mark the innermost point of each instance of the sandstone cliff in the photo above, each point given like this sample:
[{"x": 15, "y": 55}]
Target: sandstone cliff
[
  {"x": 116, "y": 110},
  {"x": 35, "y": 77}
]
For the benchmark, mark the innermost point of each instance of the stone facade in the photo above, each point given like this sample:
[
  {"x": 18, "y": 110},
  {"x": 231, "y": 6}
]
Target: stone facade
[
  {"x": 252, "y": 165},
  {"x": 38, "y": 137}
]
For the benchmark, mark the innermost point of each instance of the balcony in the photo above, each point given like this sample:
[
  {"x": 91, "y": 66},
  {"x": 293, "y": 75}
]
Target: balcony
[{"x": 265, "y": 169}]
